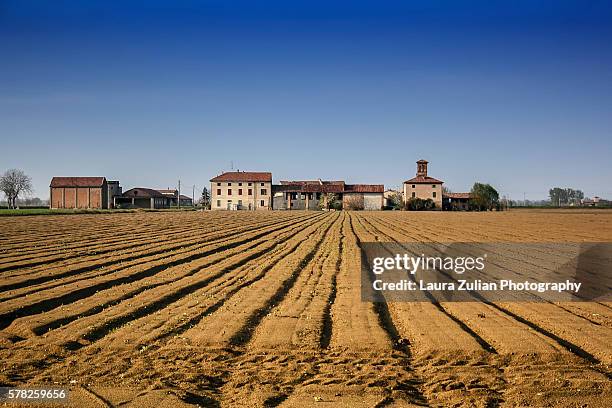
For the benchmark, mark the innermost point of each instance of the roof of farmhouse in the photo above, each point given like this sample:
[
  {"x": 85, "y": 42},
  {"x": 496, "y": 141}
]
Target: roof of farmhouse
[
  {"x": 244, "y": 176},
  {"x": 364, "y": 188},
  {"x": 77, "y": 181},
  {"x": 318, "y": 181},
  {"x": 327, "y": 186},
  {"x": 423, "y": 180}
]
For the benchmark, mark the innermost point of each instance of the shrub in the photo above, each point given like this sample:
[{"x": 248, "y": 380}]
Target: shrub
[{"x": 418, "y": 204}]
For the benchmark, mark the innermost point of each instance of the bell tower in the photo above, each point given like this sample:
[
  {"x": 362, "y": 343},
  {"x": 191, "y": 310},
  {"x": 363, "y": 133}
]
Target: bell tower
[{"x": 422, "y": 168}]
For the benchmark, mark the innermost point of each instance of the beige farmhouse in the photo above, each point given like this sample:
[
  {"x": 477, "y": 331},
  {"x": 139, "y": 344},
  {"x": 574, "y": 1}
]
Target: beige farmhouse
[
  {"x": 422, "y": 186},
  {"x": 241, "y": 190}
]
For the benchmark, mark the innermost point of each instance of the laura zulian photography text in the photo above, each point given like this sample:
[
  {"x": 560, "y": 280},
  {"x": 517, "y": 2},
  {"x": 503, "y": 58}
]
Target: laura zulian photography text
[{"x": 477, "y": 285}]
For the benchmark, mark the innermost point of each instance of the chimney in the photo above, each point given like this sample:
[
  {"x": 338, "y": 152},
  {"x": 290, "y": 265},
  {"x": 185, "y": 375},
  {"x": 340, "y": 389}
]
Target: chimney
[{"x": 422, "y": 168}]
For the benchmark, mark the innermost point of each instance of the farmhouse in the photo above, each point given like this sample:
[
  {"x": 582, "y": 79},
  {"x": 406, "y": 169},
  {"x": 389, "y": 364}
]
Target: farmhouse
[
  {"x": 82, "y": 192},
  {"x": 241, "y": 190},
  {"x": 306, "y": 194},
  {"x": 422, "y": 186}
]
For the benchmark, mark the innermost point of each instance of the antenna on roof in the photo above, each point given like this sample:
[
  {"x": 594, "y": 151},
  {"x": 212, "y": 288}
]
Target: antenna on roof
[{"x": 232, "y": 164}]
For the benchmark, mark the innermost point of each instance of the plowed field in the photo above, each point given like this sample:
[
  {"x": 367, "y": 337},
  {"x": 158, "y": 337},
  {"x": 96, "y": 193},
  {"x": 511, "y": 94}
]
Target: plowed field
[{"x": 264, "y": 309}]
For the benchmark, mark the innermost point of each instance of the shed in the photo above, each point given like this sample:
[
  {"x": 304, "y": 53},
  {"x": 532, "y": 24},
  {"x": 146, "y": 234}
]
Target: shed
[{"x": 141, "y": 197}]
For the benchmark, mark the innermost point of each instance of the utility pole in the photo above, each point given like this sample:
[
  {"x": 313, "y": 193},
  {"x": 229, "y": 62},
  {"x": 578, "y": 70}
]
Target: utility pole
[
  {"x": 193, "y": 196},
  {"x": 178, "y": 199}
]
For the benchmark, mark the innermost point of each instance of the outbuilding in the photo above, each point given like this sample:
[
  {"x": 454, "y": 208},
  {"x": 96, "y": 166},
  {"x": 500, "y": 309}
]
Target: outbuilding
[
  {"x": 78, "y": 192},
  {"x": 141, "y": 197},
  {"x": 363, "y": 196}
]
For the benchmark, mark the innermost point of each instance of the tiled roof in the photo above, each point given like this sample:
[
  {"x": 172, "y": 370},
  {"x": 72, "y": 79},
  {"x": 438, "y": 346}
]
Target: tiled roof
[
  {"x": 326, "y": 187},
  {"x": 304, "y": 182},
  {"x": 255, "y": 176},
  {"x": 77, "y": 181},
  {"x": 423, "y": 180},
  {"x": 457, "y": 195},
  {"x": 364, "y": 188},
  {"x": 143, "y": 193}
]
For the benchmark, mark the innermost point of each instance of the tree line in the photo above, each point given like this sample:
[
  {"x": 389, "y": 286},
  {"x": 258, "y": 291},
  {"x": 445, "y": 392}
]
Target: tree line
[{"x": 565, "y": 196}]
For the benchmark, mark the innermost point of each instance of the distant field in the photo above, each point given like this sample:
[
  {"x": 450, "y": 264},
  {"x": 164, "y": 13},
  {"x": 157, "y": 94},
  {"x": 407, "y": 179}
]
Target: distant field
[{"x": 264, "y": 309}]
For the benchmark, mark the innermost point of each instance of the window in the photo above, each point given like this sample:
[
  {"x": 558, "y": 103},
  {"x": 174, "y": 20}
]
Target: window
[
  {"x": 218, "y": 184},
  {"x": 239, "y": 191},
  {"x": 229, "y": 184},
  {"x": 262, "y": 203},
  {"x": 262, "y": 184},
  {"x": 434, "y": 194},
  {"x": 264, "y": 191},
  {"x": 239, "y": 184},
  {"x": 250, "y": 190},
  {"x": 218, "y": 191},
  {"x": 433, "y": 186},
  {"x": 413, "y": 186},
  {"x": 250, "y": 184},
  {"x": 413, "y": 195},
  {"x": 229, "y": 191},
  {"x": 239, "y": 203},
  {"x": 218, "y": 203},
  {"x": 303, "y": 196}
]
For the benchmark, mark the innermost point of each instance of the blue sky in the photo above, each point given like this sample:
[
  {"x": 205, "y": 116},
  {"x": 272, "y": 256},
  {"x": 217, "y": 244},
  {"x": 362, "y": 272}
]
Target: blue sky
[{"x": 518, "y": 94}]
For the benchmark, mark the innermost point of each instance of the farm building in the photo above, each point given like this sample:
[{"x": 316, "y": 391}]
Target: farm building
[
  {"x": 241, "y": 190},
  {"x": 173, "y": 195},
  {"x": 80, "y": 192},
  {"x": 363, "y": 196},
  {"x": 456, "y": 201},
  {"x": 140, "y": 197},
  {"x": 186, "y": 201},
  {"x": 422, "y": 186},
  {"x": 388, "y": 196},
  {"x": 114, "y": 189},
  {"x": 305, "y": 195}
]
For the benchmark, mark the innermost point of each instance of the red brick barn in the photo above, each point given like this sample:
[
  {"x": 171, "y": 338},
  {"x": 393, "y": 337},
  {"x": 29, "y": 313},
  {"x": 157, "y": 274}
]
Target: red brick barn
[{"x": 78, "y": 192}]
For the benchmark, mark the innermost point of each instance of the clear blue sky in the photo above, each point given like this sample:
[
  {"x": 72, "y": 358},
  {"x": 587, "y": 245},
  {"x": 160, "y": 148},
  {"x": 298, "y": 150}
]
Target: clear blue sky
[{"x": 515, "y": 93}]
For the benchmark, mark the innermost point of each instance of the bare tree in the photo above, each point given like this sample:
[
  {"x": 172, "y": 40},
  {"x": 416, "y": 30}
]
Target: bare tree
[
  {"x": 354, "y": 203},
  {"x": 14, "y": 182}
]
